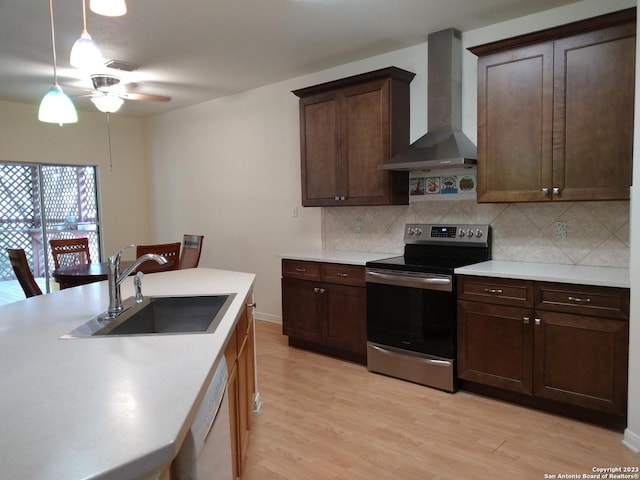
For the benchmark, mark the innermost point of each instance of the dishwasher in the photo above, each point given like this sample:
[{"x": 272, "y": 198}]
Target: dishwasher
[{"x": 205, "y": 453}]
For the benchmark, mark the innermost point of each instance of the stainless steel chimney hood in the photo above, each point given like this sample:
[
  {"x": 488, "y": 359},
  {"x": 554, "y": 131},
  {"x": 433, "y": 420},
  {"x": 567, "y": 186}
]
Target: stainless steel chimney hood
[{"x": 444, "y": 145}]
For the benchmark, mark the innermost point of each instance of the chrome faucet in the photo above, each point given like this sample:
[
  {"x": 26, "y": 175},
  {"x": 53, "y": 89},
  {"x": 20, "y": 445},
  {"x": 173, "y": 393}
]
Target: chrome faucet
[{"x": 115, "y": 278}]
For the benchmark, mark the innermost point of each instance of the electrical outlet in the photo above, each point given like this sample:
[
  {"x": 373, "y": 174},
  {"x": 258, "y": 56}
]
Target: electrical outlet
[
  {"x": 357, "y": 226},
  {"x": 560, "y": 229}
]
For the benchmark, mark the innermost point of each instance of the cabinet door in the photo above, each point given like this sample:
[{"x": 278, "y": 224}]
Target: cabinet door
[
  {"x": 495, "y": 346},
  {"x": 320, "y": 149},
  {"x": 234, "y": 426},
  {"x": 244, "y": 410},
  {"x": 582, "y": 361},
  {"x": 593, "y": 114},
  {"x": 365, "y": 144},
  {"x": 515, "y": 117},
  {"x": 301, "y": 309},
  {"x": 345, "y": 320}
]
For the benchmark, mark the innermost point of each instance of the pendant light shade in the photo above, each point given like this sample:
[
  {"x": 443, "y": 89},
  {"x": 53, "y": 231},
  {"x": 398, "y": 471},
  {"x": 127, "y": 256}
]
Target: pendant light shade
[
  {"x": 108, "y": 103},
  {"x": 85, "y": 53},
  {"x": 55, "y": 106},
  {"x": 108, "y": 8}
]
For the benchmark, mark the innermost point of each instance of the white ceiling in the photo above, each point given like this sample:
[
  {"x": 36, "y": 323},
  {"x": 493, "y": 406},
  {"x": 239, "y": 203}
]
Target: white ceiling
[{"x": 197, "y": 50}]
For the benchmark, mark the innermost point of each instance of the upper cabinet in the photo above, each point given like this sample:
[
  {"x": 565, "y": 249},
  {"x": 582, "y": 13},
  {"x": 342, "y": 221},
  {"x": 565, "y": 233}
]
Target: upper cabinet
[
  {"x": 347, "y": 128},
  {"x": 555, "y": 113}
]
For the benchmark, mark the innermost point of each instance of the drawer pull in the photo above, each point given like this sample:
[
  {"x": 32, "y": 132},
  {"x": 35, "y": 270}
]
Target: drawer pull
[
  {"x": 537, "y": 321},
  {"x": 301, "y": 270},
  {"x": 579, "y": 300},
  {"x": 493, "y": 291},
  {"x": 525, "y": 320},
  {"x": 340, "y": 274}
]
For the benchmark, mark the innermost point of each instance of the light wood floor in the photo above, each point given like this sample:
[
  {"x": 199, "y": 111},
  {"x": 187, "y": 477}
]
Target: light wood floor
[{"x": 327, "y": 419}]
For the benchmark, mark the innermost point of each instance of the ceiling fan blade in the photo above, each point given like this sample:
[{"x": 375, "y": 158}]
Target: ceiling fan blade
[{"x": 145, "y": 97}]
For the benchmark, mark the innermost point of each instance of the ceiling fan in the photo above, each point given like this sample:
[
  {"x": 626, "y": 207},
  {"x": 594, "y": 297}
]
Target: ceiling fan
[{"x": 110, "y": 93}]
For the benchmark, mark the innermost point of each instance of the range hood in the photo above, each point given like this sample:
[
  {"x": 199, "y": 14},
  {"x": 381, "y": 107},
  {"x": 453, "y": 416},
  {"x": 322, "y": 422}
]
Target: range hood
[{"x": 444, "y": 145}]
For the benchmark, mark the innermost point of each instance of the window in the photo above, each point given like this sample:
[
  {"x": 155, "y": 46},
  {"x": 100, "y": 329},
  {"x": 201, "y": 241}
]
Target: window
[{"x": 39, "y": 203}]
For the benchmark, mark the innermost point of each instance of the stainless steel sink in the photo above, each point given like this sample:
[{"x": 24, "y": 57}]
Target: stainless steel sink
[{"x": 160, "y": 315}]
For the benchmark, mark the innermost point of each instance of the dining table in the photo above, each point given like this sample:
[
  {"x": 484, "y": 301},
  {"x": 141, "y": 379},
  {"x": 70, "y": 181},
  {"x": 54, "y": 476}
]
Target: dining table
[{"x": 83, "y": 273}]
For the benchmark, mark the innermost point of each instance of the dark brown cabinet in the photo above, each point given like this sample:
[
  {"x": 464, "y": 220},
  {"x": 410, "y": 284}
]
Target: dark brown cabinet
[
  {"x": 555, "y": 113},
  {"x": 555, "y": 346},
  {"x": 324, "y": 308},
  {"x": 347, "y": 128}
]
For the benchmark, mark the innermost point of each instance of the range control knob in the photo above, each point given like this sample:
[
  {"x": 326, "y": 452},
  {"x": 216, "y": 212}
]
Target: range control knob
[
  {"x": 414, "y": 231},
  {"x": 478, "y": 233},
  {"x": 461, "y": 233},
  {"x": 469, "y": 233},
  {"x": 418, "y": 231}
]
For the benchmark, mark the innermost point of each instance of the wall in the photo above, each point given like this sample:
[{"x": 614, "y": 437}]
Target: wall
[
  {"x": 123, "y": 189},
  {"x": 230, "y": 169}
]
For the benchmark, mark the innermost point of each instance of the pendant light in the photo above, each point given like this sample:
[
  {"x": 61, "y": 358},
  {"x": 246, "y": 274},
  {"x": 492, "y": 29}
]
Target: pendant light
[
  {"x": 108, "y": 8},
  {"x": 55, "y": 106},
  {"x": 85, "y": 53}
]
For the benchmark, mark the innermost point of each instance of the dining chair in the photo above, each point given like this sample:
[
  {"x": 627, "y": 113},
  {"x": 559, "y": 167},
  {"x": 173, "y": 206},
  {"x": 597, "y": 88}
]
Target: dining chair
[
  {"x": 191, "y": 250},
  {"x": 70, "y": 251},
  {"x": 20, "y": 265},
  {"x": 170, "y": 251}
]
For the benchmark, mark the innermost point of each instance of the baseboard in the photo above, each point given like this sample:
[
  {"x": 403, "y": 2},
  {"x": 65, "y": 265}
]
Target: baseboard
[
  {"x": 632, "y": 441},
  {"x": 267, "y": 317}
]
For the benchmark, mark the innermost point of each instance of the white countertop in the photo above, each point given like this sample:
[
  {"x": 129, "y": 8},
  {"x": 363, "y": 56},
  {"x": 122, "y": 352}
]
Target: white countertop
[
  {"x": 337, "y": 256},
  {"x": 103, "y": 407},
  {"x": 576, "y": 274}
]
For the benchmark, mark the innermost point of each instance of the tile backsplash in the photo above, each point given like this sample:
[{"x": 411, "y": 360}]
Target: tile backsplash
[{"x": 580, "y": 233}]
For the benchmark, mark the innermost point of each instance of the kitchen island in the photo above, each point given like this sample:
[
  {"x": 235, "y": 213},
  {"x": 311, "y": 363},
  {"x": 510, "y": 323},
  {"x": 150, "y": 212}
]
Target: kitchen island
[{"x": 104, "y": 407}]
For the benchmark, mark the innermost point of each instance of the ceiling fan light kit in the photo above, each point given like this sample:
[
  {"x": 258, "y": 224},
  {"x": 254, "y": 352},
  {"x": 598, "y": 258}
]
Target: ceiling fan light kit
[
  {"x": 55, "y": 106},
  {"x": 108, "y": 8},
  {"x": 107, "y": 103}
]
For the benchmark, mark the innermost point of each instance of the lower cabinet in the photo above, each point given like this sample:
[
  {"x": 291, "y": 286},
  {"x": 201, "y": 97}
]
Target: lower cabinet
[
  {"x": 559, "y": 347},
  {"x": 324, "y": 308},
  {"x": 239, "y": 355}
]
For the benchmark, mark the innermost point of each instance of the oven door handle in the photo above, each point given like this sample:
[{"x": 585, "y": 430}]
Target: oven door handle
[{"x": 443, "y": 283}]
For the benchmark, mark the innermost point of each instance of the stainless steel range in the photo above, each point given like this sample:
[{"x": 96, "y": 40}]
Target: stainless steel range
[{"x": 411, "y": 303}]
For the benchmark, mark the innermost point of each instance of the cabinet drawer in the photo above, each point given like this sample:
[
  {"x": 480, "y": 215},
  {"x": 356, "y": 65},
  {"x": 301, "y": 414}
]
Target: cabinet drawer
[
  {"x": 300, "y": 269},
  {"x": 583, "y": 300},
  {"x": 343, "y": 274},
  {"x": 496, "y": 290}
]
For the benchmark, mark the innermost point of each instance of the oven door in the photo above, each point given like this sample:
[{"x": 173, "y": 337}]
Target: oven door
[{"x": 411, "y": 311}]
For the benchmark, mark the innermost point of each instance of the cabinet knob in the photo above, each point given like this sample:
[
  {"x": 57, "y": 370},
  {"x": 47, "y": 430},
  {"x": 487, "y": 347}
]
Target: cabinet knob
[
  {"x": 343, "y": 198},
  {"x": 336, "y": 198},
  {"x": 556, "y": 191},
  {"x": 545, "y": 191},
  {"x": 537, "y": 321},
  {"x": 252, "y": 305},
  {"x": 525, "y": 320}
]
